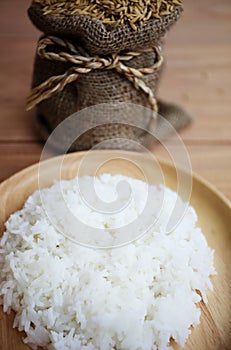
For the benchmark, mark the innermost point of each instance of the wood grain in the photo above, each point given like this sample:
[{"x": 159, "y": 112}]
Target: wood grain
[
  {"x": 214, "y": 213},
  {"x": 203, "y": 89},
  {"x": 213, "y": 162},
  {"x": 197, "y": 76}
]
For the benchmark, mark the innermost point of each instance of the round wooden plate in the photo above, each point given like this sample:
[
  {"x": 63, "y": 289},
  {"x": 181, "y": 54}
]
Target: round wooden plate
[{"x": 214, "y": 212}]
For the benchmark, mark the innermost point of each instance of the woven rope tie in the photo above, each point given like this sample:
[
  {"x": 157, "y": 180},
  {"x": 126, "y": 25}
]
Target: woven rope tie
[{"x": 83, "y": 64}]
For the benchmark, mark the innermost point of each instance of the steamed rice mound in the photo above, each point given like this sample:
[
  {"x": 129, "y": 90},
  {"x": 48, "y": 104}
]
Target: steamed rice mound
[{"x": 69, "y": 297}]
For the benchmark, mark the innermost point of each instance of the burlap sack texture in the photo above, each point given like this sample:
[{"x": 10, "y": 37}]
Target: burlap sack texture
[{"x": 101, "y": 86}]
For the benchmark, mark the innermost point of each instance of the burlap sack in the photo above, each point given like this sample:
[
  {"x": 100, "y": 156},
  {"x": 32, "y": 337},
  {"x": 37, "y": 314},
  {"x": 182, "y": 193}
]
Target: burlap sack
[{"x": 100, "y": 86}]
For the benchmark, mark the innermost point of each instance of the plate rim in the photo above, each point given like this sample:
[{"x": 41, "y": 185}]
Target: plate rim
[
  {"x": 196, "y": 179},
  {"x": 195, "y": 176}
]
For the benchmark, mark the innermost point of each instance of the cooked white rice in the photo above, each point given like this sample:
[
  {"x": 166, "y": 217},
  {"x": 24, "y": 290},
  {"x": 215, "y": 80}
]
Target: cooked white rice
[{"x": 137, "y": 296}]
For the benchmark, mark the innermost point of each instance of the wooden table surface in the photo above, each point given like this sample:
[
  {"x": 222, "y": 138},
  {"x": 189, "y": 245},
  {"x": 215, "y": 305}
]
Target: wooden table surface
[{"x": 197, "y": 76}]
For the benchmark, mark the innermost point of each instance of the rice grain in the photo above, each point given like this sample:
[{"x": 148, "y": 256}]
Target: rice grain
[{"x": 134, "y": 12}]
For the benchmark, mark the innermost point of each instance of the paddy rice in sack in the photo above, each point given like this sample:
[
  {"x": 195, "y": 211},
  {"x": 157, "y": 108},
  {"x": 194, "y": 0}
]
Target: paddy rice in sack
[{"x": 93, "y": 52}]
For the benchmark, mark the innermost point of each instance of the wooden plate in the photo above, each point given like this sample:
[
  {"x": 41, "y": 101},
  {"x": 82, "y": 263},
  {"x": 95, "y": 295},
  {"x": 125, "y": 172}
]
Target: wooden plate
[{"x": 214, "y": 212}]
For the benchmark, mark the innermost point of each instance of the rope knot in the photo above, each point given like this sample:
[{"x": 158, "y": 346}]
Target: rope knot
[{"x": 83, "y": 64}]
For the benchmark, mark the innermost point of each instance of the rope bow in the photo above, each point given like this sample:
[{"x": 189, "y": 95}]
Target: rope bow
[{"x": 83, "y": 64}]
